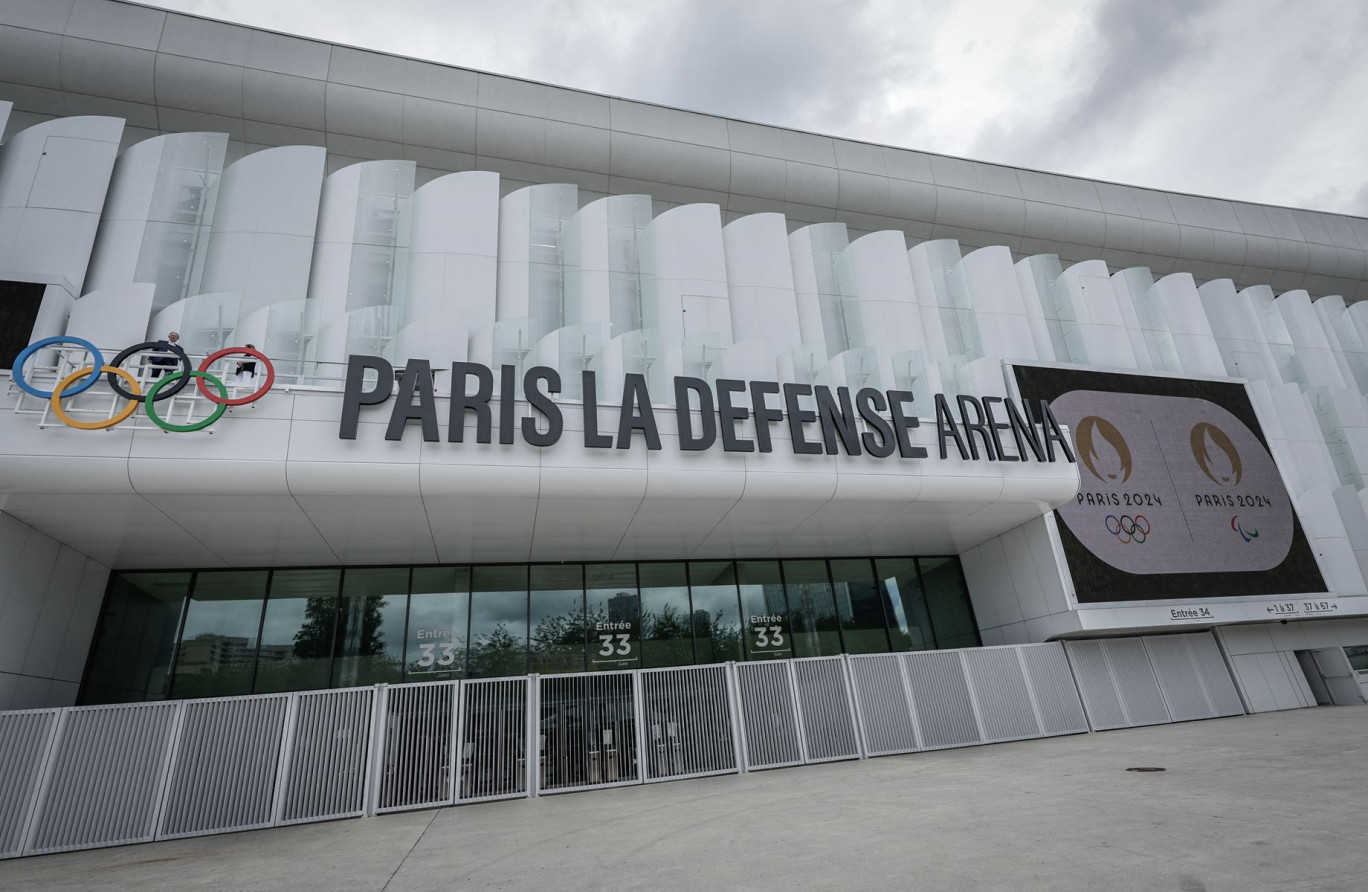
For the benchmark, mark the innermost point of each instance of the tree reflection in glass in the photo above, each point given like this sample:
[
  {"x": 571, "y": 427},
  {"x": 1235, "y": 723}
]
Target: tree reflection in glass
[
  {"x": 717, "y": 612},
  {"x": 557, "y": 619},
  {"x": 297, "y": 633},
  {"x": 498, "y": 621},
  {"x": 371, "y": 627},
  {"x": 666, "y": 616}
]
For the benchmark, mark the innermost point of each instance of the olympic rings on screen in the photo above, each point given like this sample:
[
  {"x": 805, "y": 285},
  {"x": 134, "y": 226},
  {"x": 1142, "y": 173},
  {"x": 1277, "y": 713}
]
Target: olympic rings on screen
[
  {"x": 161, "y": 389},
  {"x": 1128, "y": 529}
]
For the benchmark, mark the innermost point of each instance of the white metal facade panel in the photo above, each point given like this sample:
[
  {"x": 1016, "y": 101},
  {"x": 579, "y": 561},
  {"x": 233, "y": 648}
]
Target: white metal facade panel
[
  {"x": 329, "y": 749},
  {"x": 883, "y": 703},
  {"x": 25, "y": 738},
  {"x": 1128, "y": 682},
  {"x": 106, "y": 778},
  {"x": 945, "y": 706},
  {"x": 492, "y": 760},
  {"x": 687, "y": 723},
  {"x": 1214, "y": 675},
  {"x": 769, "y": 715},
  {"x": 226, "y": 762},
  {"x": 1178, "y": 677},
  {"x": 1094, "y": 679},
  {"x": 1005, "y": 705},
  {"x": 1056, "y": 696},
  {"x": 417, "y": 762},
  {"x": 587, "y": 731},
  {"x": 827, "y": 714},
  {"x": 1136, "y": 682}
]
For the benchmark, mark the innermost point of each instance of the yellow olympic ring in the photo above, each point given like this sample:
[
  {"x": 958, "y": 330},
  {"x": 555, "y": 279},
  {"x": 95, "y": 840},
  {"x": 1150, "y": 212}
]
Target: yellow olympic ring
[{"x": 56, "y": 399}]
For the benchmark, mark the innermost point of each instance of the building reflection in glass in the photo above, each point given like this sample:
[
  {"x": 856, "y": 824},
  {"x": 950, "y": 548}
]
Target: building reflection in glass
[{"x": 244, "y": 631}]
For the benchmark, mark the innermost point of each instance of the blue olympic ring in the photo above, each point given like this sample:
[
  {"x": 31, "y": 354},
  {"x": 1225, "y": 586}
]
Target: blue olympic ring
[
  {"x": 97, "y": 363},
  {"x": 1126, "y": 528}
]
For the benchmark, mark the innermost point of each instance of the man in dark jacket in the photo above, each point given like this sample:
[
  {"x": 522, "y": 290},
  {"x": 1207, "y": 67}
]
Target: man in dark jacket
[{"x": 164, "y": 360}]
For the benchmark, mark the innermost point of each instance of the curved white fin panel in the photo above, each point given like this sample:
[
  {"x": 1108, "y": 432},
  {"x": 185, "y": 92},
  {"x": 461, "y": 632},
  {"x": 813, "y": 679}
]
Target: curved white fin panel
[
  {"x": 54, "y": 177},
  {"x": 113, "y": 317},
  {"x": 453, "y": 267},
  {"x": 262, "y": 239},
  {"x": 155, "y": 225},
  {"x": 360, "y": 257}
]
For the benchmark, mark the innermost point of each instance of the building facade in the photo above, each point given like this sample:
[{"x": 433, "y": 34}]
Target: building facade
[{"x": 477, "y": 378}]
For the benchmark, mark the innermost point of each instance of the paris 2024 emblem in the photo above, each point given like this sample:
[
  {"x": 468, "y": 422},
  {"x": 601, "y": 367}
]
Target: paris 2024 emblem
[{"x": 1172, "y": 485}]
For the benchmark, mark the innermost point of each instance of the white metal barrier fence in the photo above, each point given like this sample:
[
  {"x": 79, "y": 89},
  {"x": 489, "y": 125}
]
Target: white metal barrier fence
[
  {"x": 948, "y": 698},
  {"x": 91, "y": 776},
  {"x": 1128, "y": 682},
  {"x": 688, "y": 723}
]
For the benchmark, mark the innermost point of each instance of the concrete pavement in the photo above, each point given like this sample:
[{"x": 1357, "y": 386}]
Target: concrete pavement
[{"x": 1267, "y": 802}]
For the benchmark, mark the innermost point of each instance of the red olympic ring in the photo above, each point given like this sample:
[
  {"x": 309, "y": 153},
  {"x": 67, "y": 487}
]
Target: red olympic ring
[{"x": 243, "y": 400}]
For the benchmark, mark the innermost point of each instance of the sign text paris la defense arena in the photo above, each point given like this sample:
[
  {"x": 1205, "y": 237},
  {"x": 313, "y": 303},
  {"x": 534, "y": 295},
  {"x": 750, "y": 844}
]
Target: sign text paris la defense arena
[{"x": 990, "y": 428}]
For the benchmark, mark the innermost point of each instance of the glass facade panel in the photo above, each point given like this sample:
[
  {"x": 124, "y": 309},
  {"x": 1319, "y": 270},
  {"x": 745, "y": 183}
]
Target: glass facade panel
[
  {"x": 909, "y": 624},
  {"x": 614, "y": 616},
  {"x": 948, "y": 600},
  {"x": 556, "y": 642},
  {"x": 228, "y": 632},
  {"x": 666, "y": 616},
  {"x": 218, "y": 650},
  {"x": 370, "y": 628},
  {"x": 498, "y": 621},
  {"x": 438, "y": 624},
  {"x": 716, "y": 612},
  {"x": 764, "y": 611},
  {"x": 132, "y": 651},
  {"x": 863, "y": 627},
  {"x": 297, "y": 633},
  {"x": 816, "y": 626}
]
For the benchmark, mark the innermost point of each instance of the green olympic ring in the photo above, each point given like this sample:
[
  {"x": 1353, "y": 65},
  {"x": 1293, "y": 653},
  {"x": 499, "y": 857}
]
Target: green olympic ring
[{"x": 185, "y": 428}]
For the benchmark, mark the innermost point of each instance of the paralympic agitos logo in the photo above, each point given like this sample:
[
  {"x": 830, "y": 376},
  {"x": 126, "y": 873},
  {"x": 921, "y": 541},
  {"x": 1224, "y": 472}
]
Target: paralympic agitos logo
[{"x": 166, "y": 386}]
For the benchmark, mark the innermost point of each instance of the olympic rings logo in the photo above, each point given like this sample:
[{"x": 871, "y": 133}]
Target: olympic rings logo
[
  {"x": 1128, "y": 529},
  {"x": 80, "y": 381}
]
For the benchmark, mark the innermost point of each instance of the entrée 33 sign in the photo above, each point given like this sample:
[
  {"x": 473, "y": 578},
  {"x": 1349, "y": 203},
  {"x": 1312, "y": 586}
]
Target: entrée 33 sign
[{"x": 83, "y": 379}]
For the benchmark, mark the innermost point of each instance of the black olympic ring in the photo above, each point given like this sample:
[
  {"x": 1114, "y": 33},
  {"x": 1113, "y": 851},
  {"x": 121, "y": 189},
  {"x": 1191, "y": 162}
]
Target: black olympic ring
[
  {"x": 164, "y": 393},
  {"x": 1126, "y": 528}
]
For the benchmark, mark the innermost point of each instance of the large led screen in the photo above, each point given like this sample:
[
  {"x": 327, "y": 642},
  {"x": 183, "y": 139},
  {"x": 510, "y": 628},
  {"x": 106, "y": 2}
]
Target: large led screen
[{"x": 1179, "y": 496}]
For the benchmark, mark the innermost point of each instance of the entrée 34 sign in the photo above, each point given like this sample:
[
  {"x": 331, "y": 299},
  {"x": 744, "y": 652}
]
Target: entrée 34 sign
[{"x": 990, "y": 428}]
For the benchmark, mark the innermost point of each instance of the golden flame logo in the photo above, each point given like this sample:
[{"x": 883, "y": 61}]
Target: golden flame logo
[
  {"x": 1216, "y": 454},
  {"x": 1108, "y": 460}
]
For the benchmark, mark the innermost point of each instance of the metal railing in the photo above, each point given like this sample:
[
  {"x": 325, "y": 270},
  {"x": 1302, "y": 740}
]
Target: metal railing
[
  {"x": 187, "y": 406},
  {"x": 89, "y": 776}
]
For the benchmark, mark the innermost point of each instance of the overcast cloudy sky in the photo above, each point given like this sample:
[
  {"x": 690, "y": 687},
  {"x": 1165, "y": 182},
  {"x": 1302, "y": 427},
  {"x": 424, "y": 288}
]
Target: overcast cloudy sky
[{"x": 1263, "y": 100}]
